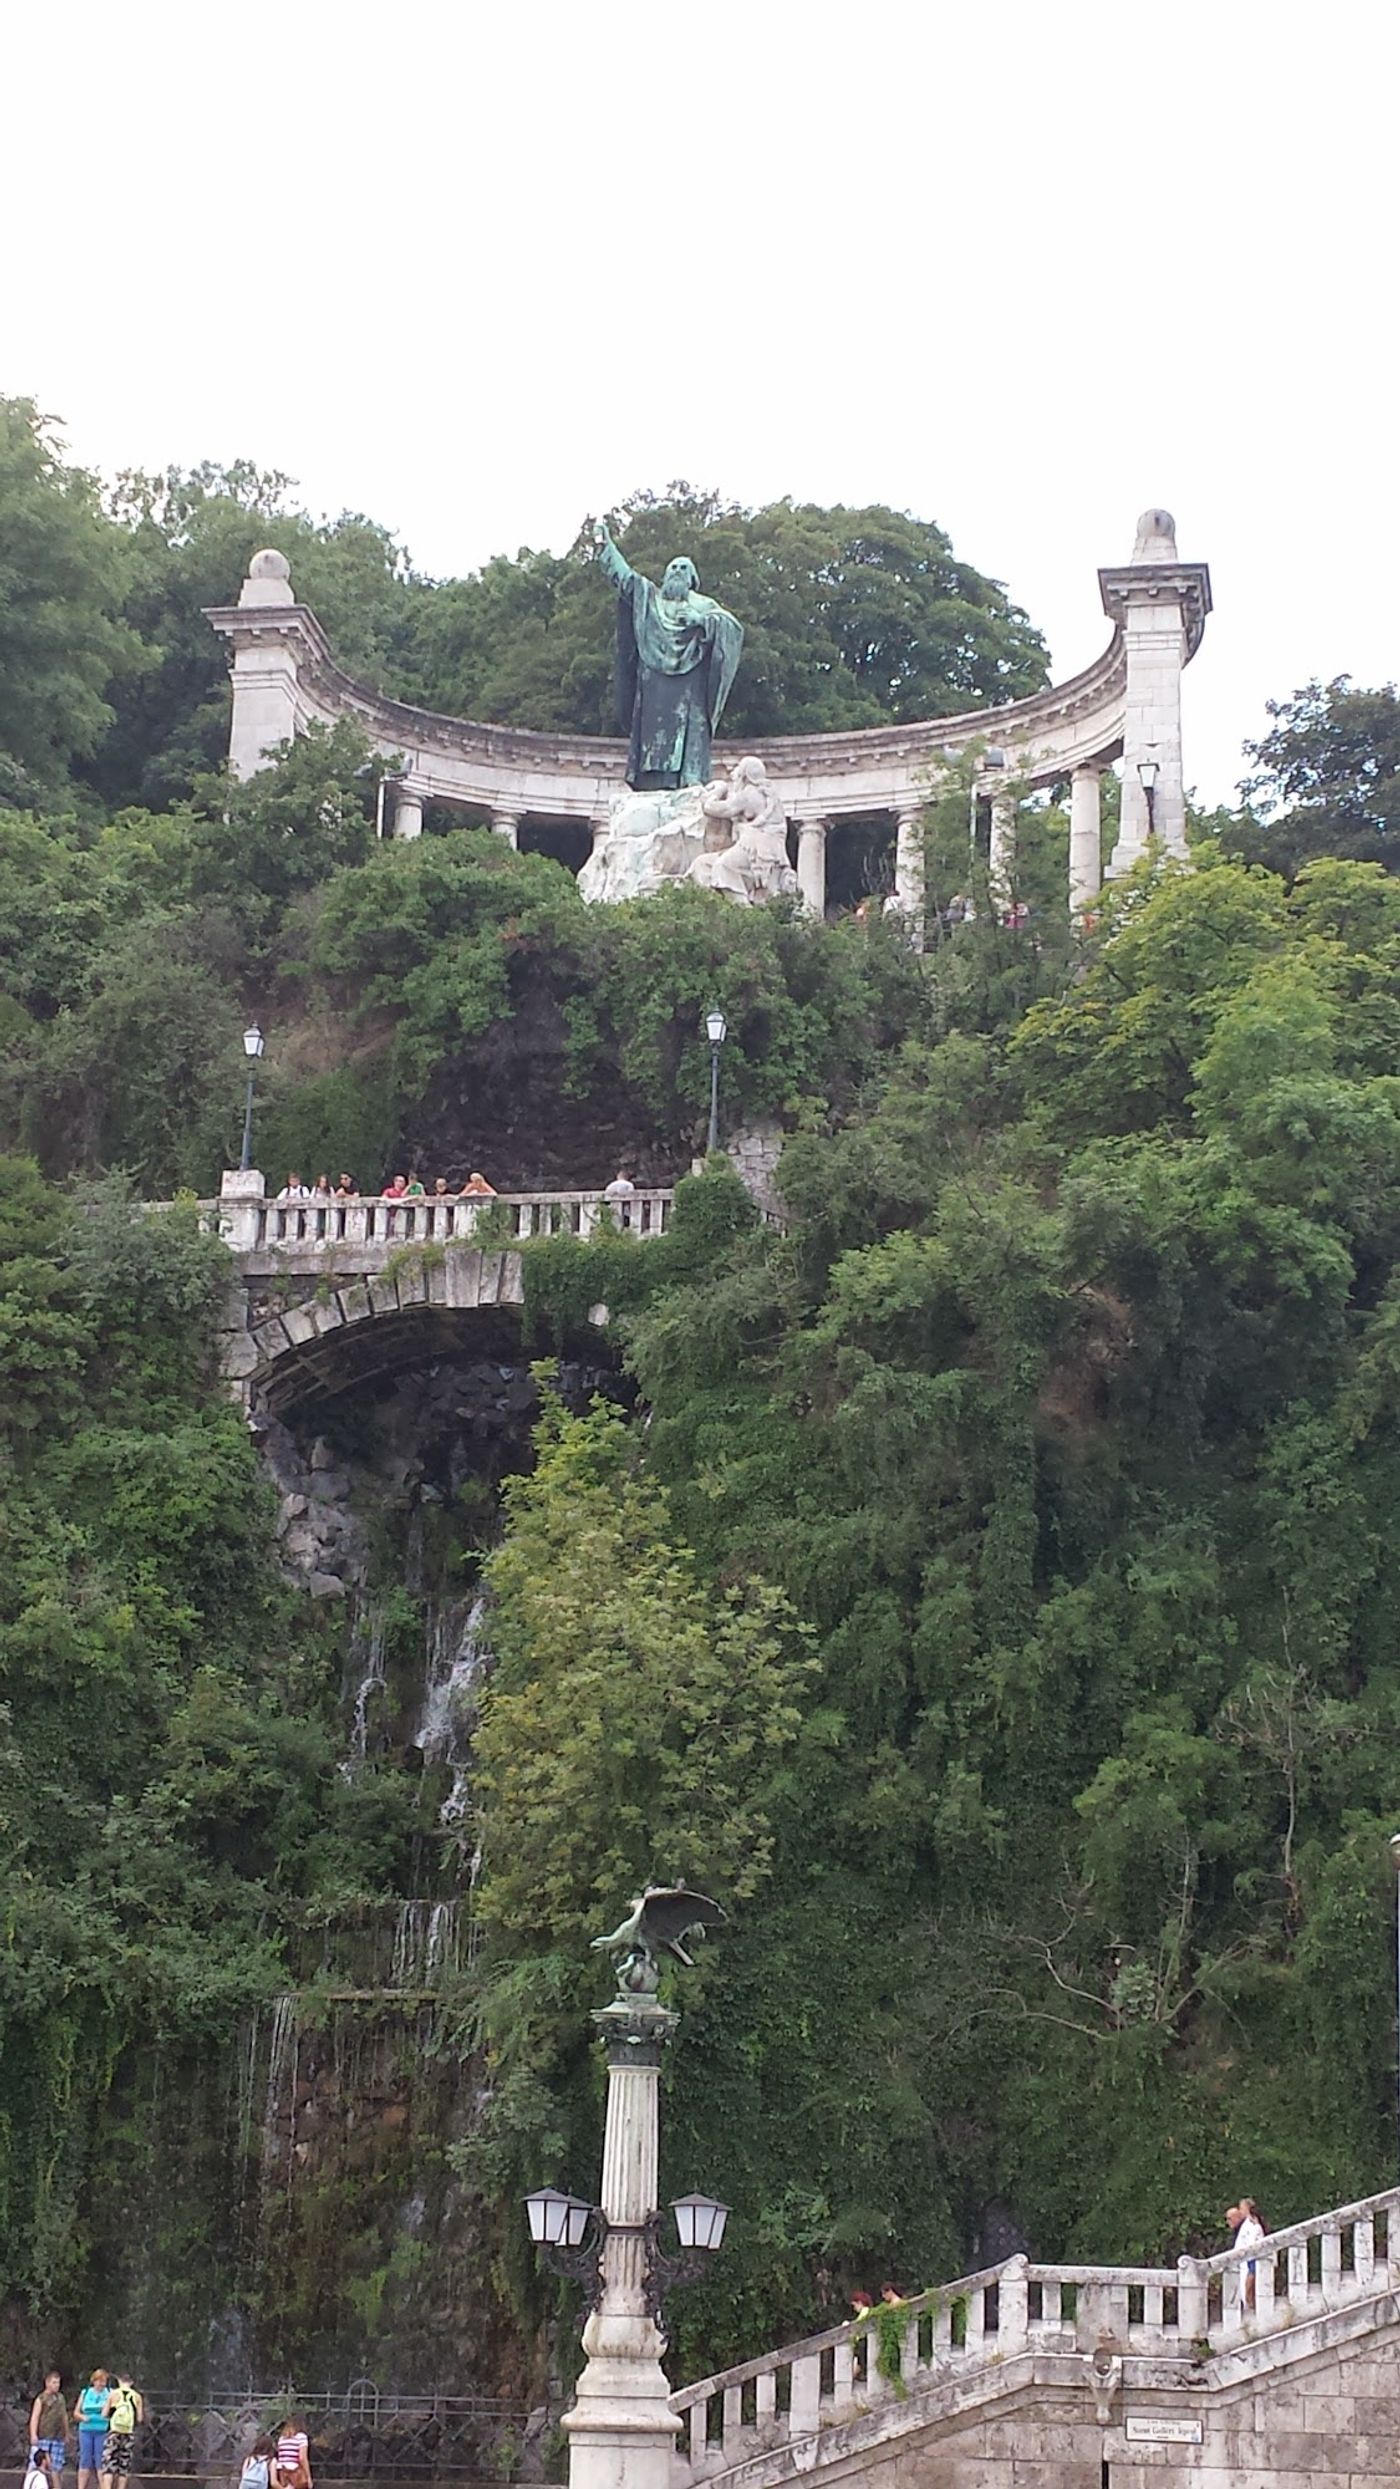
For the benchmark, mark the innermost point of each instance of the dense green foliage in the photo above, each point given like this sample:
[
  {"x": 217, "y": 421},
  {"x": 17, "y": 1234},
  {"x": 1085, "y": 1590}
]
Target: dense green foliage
[
  {"x": 1328, "y": 781},
  {"x": 1064, "y": 1415},
  {"x": 172, "y": 1808}
]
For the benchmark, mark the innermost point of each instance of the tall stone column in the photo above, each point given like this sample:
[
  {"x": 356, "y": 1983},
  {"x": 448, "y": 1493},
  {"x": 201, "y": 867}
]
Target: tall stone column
[
  {"x": 408, "y": 813},
  {"x": 909, "y": 871},
  {"x": 811, "y": 865},
  {"x": 1085, "y": 861},
  {"x": 621, "y": 2429},
  {"x": 507, "y": 826},
  {"x": 269, "y": 636},
  {"x": 1160, "y": 604}
]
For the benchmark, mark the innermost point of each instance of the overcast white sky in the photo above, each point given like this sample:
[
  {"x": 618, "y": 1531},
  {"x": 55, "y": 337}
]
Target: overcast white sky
[{"x": 477, "y": 270}]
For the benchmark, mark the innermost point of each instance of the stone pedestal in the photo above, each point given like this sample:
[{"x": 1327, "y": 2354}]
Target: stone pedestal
[
  {"x": 621, "y": 2429},
  {"x": 241, "y": 1192}
]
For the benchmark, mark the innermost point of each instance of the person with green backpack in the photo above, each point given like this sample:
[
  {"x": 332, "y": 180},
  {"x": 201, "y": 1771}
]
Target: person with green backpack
[{"x": 125, "y": 2413}]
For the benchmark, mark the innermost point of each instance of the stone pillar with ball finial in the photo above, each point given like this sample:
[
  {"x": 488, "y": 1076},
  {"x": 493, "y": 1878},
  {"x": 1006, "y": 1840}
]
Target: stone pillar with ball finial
[{"x": 1160, "y": 604}]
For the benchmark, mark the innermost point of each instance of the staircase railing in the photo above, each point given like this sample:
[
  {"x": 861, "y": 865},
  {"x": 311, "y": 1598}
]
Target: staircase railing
[{"x": 1169, "y": 2312}]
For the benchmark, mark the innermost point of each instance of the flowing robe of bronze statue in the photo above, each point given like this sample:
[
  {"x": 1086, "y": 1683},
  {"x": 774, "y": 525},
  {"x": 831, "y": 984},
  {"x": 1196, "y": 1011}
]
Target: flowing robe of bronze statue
[{"x": 677, "y": 656}]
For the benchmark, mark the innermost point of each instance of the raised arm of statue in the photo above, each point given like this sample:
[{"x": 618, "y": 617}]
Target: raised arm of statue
[{"x": 614, "y": 564}]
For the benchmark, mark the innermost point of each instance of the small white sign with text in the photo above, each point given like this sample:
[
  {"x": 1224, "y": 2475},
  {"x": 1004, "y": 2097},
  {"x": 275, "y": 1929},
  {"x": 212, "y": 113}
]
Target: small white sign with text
[{"x": 1157, "y": 2428}]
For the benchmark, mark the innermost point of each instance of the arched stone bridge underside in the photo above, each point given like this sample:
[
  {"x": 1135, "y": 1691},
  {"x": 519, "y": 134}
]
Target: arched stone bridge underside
[
  {"x": 1126, "y": 705},
  {"x": 324, "y": 1296}
]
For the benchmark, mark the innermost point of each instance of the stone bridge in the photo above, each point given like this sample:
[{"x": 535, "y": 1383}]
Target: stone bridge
[
  {"x": 328, "y": 1292},
  {"x": 1055, "y": 2376}
]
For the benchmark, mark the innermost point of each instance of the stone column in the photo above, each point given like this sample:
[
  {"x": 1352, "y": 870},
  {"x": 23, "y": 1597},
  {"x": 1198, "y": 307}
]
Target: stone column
[
  {"x": 408, "y": 814},
  {"x": 1001, "y": 855},
  {"x": 909, "y": 872},
  {"x": 621, "y": 2429},
  {"x": 811, "y": 865},
  {"x": 265, "y": 666},
  {"x": 507, "y": 826},
  {"x": 1085, "y": 866},
  {"x": 1160, "y": 605}
]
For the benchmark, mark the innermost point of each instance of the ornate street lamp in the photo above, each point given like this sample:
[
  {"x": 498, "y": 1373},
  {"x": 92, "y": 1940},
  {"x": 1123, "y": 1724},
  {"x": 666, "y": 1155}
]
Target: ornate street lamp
[
  {"x": 253, "y": 1042},
  {"x": 716, "y": 1029},
  {"x": 614, "y": 2247},
  {"x": 1147, "y": 779}
]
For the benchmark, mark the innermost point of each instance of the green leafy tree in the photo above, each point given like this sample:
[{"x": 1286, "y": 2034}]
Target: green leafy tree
[
  {"x": 1328, "y": 781},
  {"x": 62, "y": 579}
]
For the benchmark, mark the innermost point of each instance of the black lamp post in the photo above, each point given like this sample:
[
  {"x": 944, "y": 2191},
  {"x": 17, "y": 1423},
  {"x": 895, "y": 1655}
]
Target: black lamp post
[
  {"x": 716, "y": 1029},
  {"x": 252, "y": 1046}
]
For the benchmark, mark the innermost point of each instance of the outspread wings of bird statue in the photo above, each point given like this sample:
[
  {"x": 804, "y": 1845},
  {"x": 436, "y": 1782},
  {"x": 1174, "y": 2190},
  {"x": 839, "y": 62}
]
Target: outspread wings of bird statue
[{"x": 659, "y": 1920}]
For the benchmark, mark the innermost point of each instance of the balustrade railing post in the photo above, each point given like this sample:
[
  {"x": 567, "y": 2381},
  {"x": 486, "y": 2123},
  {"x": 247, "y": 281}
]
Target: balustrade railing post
[
  {"x": 1013, "y": 2307},
  {"x": 1331, "y": 2264},
  {"x": 1191, "y": 2300},
  {"x": 804, "y": 2407}
]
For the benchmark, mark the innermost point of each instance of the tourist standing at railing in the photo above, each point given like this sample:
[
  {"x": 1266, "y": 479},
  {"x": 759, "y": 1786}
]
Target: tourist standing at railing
[
  {"x": 476, "y": 1188},
  {"x": 621, "y": 1188},
  {"x": 48, "y": 2421},
  {"x": 293, "y": 2454},
  {"x": 258, "y": 2463},
  {"x": 125, "y": 2413},
  {"x": 92, "y": 2428},
  {"x": 415, "y": 1189},
  {"x": 1249, "y": 2231},
  {"x": 346, "y": 1187},
  {"x": 294, "y": 1189},
  {"x": 441, "y": 1189},
  {"x": 321, "y": 1189},
  {"x": 396, "y": 1188}
]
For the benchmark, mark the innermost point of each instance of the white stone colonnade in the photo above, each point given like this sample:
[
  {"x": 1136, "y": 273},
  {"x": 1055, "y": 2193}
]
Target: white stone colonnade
[{"x": 1125, "y": 707}]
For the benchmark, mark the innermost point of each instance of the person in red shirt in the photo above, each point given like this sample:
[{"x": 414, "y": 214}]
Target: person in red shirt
[{"x": 395, "y": 1189}]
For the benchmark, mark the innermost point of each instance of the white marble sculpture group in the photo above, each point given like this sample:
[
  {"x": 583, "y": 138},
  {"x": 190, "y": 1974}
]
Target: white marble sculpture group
[{"x": 729, "y": 836}]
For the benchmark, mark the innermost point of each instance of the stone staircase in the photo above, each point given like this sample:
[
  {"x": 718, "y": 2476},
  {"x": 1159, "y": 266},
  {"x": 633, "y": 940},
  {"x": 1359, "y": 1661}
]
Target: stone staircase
[{"x": 1171, "y": 2340}]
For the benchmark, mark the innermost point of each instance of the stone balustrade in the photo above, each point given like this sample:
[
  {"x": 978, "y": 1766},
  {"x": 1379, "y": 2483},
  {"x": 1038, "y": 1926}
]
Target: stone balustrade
[
  {"x": 368, "y": 1228},
  {"x": 1169, "y": 2314}
]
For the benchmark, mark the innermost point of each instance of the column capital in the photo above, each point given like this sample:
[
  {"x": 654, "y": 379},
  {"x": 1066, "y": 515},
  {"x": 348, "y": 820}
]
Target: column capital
[{"x": 1135, "y": 585}]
